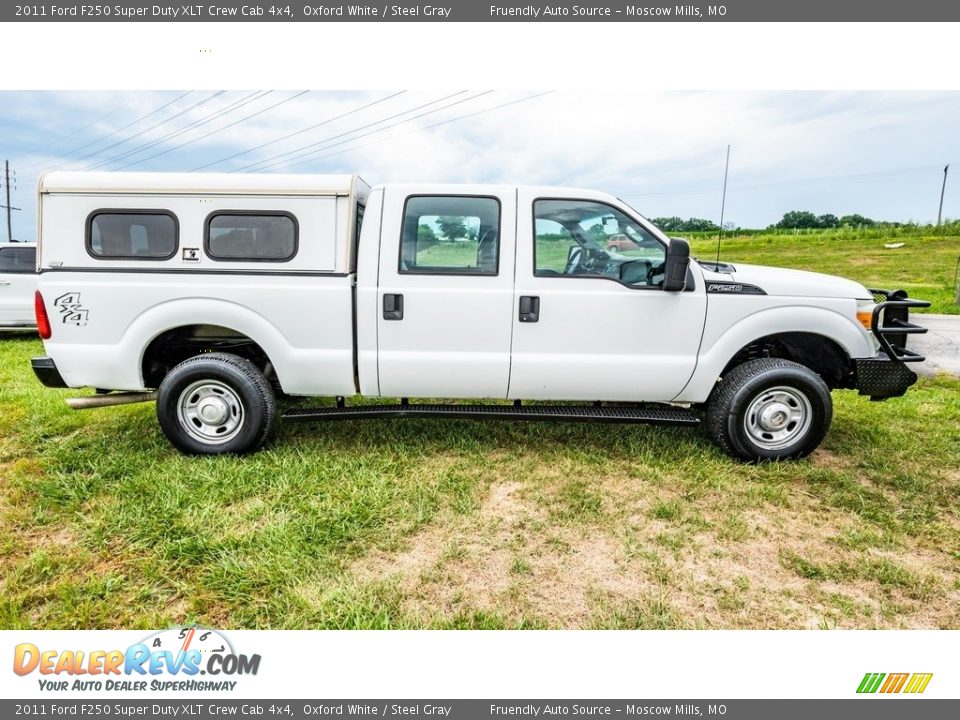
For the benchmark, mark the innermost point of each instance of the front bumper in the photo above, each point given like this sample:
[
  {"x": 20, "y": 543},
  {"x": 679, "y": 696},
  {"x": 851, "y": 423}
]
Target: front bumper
[
  {"x": 46, "y": 371},
  {"x": 887, "y": 375},
  {"x": 883, "y": 378}
]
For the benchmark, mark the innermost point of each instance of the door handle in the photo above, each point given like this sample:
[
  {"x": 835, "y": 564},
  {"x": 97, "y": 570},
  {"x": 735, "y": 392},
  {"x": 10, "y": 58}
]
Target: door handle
[
  {"x": 392, "y": 306},
  {"x": 4, "y": 282},
  {"x": 529, "y": 308}
]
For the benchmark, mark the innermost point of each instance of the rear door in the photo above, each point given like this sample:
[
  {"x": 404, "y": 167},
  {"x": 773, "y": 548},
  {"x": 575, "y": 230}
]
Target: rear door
[
  {"x": 18, "y": 282},
  {"x": 445, "y": 292}
]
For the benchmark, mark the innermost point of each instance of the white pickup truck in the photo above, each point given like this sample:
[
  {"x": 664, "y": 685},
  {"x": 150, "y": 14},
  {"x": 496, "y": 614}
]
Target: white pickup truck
[
  {"x": 18, "y": 285},
  {"x": 217, "y": 294}
]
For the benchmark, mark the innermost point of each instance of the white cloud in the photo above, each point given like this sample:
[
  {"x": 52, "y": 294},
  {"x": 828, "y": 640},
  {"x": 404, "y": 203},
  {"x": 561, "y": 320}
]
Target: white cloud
[{"x": 662, "y": 151}]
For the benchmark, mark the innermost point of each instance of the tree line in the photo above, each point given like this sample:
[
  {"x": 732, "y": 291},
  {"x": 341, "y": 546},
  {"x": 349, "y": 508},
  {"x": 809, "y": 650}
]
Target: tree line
[{"x": 793, "y": 220}]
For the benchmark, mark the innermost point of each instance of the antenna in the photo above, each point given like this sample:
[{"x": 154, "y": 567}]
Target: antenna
[{"x": 723, "y": 202}]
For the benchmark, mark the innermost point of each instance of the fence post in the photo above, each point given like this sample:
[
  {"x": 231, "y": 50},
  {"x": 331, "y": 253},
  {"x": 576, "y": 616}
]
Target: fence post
[{"x": 956, "y": 283}]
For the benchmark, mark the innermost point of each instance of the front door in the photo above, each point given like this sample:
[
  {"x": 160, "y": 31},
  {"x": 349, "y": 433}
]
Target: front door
[
  {"x": 445, "y": 293},
  {"x": 602, "y": 328}
]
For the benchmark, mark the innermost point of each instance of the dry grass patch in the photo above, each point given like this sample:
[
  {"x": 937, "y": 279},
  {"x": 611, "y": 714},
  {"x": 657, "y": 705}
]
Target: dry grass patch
[
  {"x": 656, "y": 558},
  {"x": 508, "y": 559}
]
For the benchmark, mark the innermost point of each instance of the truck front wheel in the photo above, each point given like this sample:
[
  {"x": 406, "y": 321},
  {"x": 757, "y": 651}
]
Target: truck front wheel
[
  {"x": 769, "y": 409},
  {"x": 215, "y": 404}
]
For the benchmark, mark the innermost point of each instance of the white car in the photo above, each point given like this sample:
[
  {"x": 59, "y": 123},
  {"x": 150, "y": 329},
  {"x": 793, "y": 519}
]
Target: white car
[
  {"x": 18, "y": 285},
  {"x": 215, "y": 294}
]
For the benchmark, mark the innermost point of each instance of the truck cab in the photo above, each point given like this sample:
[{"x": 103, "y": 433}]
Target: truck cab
[
  {"x": 528, "y": 304},
  {"x": 217, "y": 295}
]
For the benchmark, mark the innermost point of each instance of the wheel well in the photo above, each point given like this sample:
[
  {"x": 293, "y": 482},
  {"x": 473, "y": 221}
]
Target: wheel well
[
  {"x": 817, "y": 352},
  {"x": 172, "y": 347}
]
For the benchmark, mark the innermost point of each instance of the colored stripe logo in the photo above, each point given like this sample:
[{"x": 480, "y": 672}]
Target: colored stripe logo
[{"x": 913, "y": 683}]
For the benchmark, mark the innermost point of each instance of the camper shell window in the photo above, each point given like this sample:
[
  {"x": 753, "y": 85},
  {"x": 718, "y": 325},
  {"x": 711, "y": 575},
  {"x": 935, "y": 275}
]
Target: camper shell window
[
  {"x": 132, "y": 234},
  {"x": 254, "y": 236}
]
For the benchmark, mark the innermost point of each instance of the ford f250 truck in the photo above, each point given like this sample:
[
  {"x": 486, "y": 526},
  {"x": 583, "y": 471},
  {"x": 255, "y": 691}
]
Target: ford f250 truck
[{"x": 218, "y": 294}]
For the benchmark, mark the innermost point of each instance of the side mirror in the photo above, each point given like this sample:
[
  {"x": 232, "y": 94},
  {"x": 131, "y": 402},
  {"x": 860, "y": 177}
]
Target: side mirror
[{"x": 676, "y": 264}]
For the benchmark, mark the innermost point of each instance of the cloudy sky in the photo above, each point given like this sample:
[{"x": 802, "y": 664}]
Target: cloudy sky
[{"x": 879, "y": 154}]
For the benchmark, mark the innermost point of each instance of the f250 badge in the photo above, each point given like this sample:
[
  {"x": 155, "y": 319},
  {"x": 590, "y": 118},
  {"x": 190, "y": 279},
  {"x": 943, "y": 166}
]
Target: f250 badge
[
  {"x": 734, "y": 288},
  {"x": 71, "y": 311}
]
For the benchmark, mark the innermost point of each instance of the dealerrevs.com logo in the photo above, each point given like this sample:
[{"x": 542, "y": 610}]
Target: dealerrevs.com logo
[
  {"x": 179, "y": 659},
  {"x": 892, "y": 683}
]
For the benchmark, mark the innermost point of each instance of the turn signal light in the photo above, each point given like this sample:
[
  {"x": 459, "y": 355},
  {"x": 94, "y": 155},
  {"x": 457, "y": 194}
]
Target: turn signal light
[
  {"x": 43, "y": 322},
  {"x": 865, "y": 317}
]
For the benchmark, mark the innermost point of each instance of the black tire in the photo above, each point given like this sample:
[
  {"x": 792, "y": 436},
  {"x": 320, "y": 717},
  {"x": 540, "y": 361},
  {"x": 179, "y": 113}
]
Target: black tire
[
  {"x": 230, "y": 408},
  {"x": 772, "y": 391}
]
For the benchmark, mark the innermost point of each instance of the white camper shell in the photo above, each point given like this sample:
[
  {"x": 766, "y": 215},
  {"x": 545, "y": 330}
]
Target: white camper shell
[{"x": 114, "y": 304}]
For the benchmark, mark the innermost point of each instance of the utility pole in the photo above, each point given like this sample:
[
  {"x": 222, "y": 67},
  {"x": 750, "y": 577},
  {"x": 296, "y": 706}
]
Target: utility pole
[
  {"x": 943, "y": 189},
  {"x": 8, "y": 207}
]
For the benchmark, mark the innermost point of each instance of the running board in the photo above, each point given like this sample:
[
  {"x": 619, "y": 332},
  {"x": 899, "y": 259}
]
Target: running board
[{"x": 665, "y": 414}]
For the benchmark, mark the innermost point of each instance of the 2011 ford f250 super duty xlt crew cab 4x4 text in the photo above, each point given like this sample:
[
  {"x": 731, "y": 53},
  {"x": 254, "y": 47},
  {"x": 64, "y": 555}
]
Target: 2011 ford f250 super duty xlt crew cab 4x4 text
[{"x": 218, "y": 294}]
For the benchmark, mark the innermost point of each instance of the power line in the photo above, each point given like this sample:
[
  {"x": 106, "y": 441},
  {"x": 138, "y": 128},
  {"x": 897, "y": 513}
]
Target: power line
[
  {"x": 759, "y": 187},
  {"x": 199, "y": 122},
  {"x": 107, "y": 114},
  {"x": 192, "y": 125},
  {"x": 299, "y": 132},
  {"x": 297, "y": 152},
  {"x": 438, "y": 124},
  {"x": 177, "y": 114},
  {"x": 114, "y": 132},
  {"x": 299, "y": 155},
  {"x": 217, "y": 130}
]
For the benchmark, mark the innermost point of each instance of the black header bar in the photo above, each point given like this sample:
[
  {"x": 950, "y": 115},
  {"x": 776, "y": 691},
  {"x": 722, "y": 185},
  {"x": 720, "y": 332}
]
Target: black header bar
[{"x": 487, "y": 11}]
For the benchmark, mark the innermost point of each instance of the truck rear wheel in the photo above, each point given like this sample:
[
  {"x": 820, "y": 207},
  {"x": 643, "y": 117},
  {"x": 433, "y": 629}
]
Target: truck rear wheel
[
  {"x": 216, "y": 404},
  {"x": 769, "y": 409}
]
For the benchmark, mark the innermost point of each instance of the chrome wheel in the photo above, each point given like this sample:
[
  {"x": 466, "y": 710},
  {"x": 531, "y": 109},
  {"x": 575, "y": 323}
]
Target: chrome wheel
[
  {"x": 778, "y": 417},
  {"x": 210, "y": 411}
]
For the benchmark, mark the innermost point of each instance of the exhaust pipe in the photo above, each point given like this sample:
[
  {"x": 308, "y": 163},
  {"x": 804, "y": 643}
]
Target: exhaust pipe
[{"x": 99, "y": 401}]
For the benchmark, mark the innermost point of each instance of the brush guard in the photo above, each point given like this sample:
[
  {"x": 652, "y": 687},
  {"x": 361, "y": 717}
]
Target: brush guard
[{"x": 887, "y": 375}]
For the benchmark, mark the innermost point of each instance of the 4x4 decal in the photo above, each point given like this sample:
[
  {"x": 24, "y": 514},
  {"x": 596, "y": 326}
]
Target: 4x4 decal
[{"x": 71, "y": 311}]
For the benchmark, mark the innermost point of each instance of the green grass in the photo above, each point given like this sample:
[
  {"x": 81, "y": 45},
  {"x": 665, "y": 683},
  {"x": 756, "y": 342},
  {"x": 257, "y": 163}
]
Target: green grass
[
  {"x": 925, "y": 266},
  {"x": 474, "y": 525}
]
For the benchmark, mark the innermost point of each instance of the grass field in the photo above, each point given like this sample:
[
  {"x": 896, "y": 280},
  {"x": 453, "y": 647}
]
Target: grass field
[
  {"x": 472, "y": 525},
  {"x": 925, "y": 266}
]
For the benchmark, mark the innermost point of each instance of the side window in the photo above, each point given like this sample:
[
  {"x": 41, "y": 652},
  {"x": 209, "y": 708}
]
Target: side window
[
  {"x": 251, "y": 236},
  {"x": 132, "y": 235},
  {"x": 591, "y": 239},
  {"x": 356, "y": 236},
  {"x": 18, "y": 260},
  {"x": 454, "y": 235}
]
